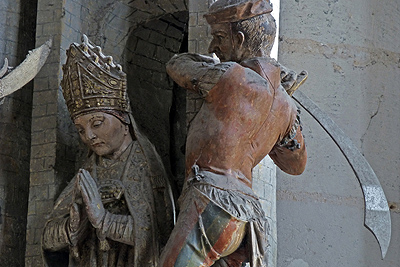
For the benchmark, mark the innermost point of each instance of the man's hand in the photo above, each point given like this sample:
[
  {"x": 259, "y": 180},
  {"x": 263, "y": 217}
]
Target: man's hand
[
  {"x": 91, "y": 198},
  {"x": 290, "y": 80}
]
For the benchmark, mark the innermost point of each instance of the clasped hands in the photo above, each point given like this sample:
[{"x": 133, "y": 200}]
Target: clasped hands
[{"x": 94, "y": 211}]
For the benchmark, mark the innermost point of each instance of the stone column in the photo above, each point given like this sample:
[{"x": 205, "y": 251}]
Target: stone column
[
  {"x": 351, "y": 50},
  {"x": 53, "y": 157},
  {"x": 17, "y": 20},
  {"x": 264, "y": 174}
]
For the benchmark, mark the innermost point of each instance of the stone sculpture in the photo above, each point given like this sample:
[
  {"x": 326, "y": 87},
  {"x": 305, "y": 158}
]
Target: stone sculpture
[
  {"x": 246, "y": 115},
  {"x": 118, "y": 209}
]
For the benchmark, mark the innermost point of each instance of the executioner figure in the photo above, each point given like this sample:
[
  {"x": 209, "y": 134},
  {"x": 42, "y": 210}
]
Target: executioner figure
[
  {"x": 117, "y": 210},
  {"x": 246, "y": 115}
]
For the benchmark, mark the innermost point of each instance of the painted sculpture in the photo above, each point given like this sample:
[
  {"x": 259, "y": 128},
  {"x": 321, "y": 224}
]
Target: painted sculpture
[
  {"x": 246, "y": 115},
  {"x": 118, "y": 209}
]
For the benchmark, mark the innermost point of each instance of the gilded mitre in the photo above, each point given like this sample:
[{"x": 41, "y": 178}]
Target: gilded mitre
[{"x": 92, "y": 81}]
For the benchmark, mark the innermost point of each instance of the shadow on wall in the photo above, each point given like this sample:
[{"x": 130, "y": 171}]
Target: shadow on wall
[{"x": 158, "y": 108}]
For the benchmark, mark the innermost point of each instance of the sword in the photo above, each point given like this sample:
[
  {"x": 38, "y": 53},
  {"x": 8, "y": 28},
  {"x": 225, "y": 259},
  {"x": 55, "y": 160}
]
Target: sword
[
  {"x": 25, "y": 72},
  {"x": 377, "y": 215}
]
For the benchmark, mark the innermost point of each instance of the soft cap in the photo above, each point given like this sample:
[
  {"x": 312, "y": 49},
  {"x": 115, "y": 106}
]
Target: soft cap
[{"x": 223, "y": 11}]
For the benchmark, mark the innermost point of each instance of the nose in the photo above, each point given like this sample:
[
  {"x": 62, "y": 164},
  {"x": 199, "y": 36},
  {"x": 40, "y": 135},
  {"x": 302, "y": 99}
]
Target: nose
[
  {"x": 211, "y": 47},
  {"x": 90, "y": 135}
]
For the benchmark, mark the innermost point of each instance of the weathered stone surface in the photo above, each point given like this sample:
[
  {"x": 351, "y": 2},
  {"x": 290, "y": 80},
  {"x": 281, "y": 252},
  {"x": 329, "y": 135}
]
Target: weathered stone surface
[{"x": 351, "y": 53}]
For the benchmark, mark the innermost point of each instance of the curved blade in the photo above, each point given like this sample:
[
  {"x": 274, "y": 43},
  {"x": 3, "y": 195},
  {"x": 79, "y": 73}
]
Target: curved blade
[
  {"x": 26, "y": 71},
  {"x": 4, "y": 69},
  {"x": 377, "y": 215}
]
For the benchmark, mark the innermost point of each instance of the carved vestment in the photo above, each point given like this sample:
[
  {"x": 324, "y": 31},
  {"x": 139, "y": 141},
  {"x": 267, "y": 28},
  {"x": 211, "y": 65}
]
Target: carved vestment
[{"x": 134, "y": 191}]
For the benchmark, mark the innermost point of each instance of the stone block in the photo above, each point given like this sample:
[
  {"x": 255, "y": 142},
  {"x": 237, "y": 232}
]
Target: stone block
[
  {"x": 11, "y": 46},
  {"x": 51, "y": 109},
  {"x": 33, "y": 261},
  {"x": 67, "y": 18},
  {"x": 201, "y": 21},
  {"x": 37, "y": 138},
  {"x": 193, "y": 19},
  {"x": 30, "y": 236},
  {"x": 45, "y": 16},
  {"x": 50, "y": 136},
  {"x": 192, "y": 46},
  {"x": 42, "y": 177},
  {"x": 158, "y": 25},
  {"x": 182, "y": 5},
  {"x": 43, "y": 123},
  {"x": 41, "y": 83},
  {"x": 52, "y": 191},
  {"x": 37, "y": 236},
  {"x": 157, "y": 38},
  {"x": 33, "y": 250},
  {"x": 37, "y": 165},
  {"x": 142, "y": 33},
  {"x": 39, "y": 111},
  {"x": 149, "y": 64},
  {"x": 43, "y": 97},
  {"x": 198, "y": 6},
  {"x": 31, "y": 207},
  {"x": 35, "y": 221},
  {"x": 145, "y": 49},
  {"x": 173, "y": 44},
  {"x": 198, "y": 31},
  {"x": 175, "y": 32},
  {"x": 44, "y": 206},
  {"x": 203, "y": 46},
  {"x": 163, "y": 54},
  {"x": 72, "y": 6},
  {"x": 84, "y": 13},
  {"x": 43, "y": 150}
]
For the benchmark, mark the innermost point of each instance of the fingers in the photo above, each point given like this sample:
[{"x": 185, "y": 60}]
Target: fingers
[
  {"x": 74, "y": 217},
  {"x": 301, "y": 78},
  {"x": 88, "y": 186},
  {"x": 292, "y": 81},
  {"x": 85, "y": 191},
  {"x": 91, "y": 198},
  {"x": 288, "y": 80}
]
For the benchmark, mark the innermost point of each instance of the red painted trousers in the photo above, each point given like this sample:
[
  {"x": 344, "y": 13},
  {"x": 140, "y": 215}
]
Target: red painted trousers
[{"x": 205, "y": 235}]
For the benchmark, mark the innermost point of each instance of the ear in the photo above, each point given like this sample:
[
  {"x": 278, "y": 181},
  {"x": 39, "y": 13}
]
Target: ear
[{"x": 240, "y": 38}]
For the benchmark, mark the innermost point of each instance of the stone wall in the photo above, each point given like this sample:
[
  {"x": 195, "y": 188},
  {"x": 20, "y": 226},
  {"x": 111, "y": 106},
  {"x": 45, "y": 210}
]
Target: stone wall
[
  {"x": 17, "y": 36},
  {"x": 46, "y": 174},
  {"x": 156, "y": 106},
  {"x": 351, "y": 50}
]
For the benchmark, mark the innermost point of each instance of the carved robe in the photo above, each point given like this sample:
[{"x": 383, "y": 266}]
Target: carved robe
[{"x": 136, "y": 194}]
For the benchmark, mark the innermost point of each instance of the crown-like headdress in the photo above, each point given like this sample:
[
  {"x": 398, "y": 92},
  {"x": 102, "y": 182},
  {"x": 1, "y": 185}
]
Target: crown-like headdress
[
  {"x": 223, "y": 11},
  {"x": 91, "y": 81}
]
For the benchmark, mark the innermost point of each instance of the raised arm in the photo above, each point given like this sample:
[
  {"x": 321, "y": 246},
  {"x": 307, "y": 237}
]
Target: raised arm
[
  {"x": 290, "y": 153},
  {"x": 196, "y": 72}
]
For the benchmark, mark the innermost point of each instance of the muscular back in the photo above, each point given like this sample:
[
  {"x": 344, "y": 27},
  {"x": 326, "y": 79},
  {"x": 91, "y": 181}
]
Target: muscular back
[
  {"x": 243, "y": 117},
  {"x": 241, "y": 120}
]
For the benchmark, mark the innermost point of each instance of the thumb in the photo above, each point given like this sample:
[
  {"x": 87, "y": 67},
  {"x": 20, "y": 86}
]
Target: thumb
[{"x": 74, "y": 217}]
